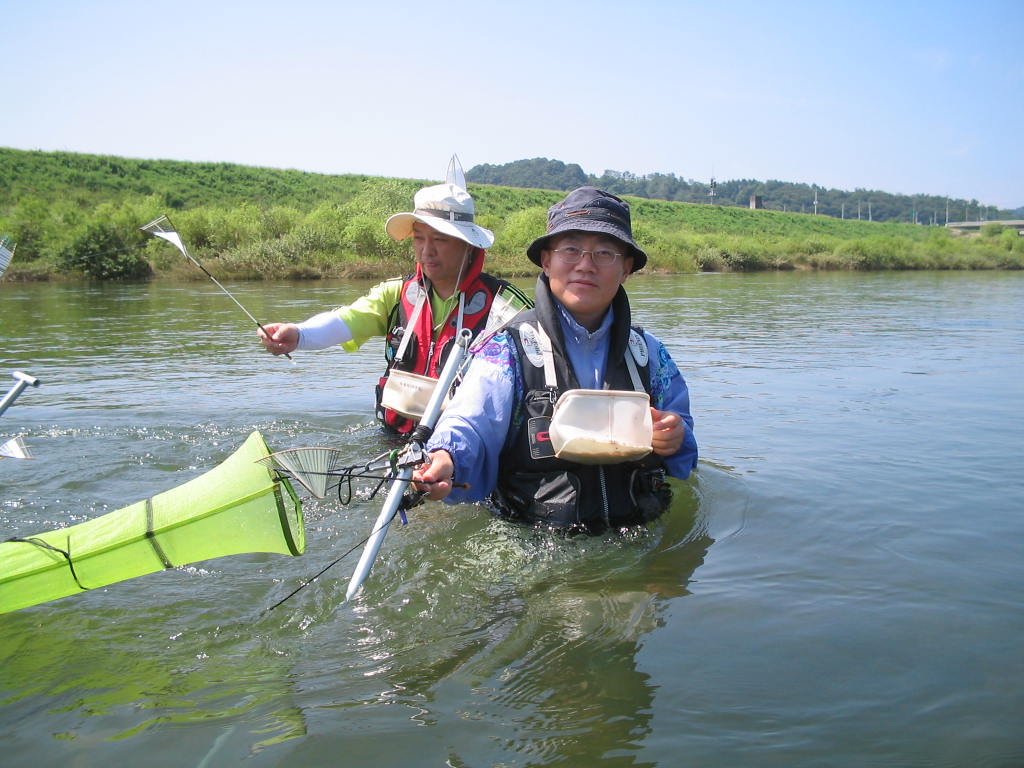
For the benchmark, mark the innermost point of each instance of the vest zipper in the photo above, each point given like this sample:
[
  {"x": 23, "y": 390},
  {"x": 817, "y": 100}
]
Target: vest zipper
[
  {"x": 430, "y": 357},
  {"x": 604, "y": 496}
]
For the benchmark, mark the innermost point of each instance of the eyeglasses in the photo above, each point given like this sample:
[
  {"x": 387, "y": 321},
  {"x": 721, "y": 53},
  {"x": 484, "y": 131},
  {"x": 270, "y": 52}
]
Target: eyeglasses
[{"x": 571, "y": 254}]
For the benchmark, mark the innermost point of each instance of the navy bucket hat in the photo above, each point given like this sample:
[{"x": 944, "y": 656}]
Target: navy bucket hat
[{"x": 589, "y": 209}]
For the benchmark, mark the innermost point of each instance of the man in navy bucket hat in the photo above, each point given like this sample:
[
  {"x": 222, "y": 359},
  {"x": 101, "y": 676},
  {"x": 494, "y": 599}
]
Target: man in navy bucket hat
[
  {"x": 590, "y": 209},
  {"x": 507, "y": 434}
]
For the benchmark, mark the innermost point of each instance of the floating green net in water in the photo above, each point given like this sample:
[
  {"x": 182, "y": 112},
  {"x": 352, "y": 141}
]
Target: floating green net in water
[{"x": 236, "y": 507}]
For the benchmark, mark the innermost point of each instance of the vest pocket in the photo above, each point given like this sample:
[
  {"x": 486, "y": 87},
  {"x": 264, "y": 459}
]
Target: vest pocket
[{"x": 547, "y": 498}]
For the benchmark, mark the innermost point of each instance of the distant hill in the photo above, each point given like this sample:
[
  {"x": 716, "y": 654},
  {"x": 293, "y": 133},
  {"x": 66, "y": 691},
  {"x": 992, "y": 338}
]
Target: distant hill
[
  {"x": 77, "y": 216},
  {"x": 91, "y": 179},
  {"x": 542, "y": 173}
]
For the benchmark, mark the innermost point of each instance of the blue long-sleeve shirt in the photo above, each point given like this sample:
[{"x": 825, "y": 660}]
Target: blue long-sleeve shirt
[{"x": 488, "y": 405}]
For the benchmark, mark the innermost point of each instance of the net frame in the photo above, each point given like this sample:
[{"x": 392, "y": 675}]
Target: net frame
[
  {"x": 508, "y": 302},
  {"x": 318, "y": 469},
  {"x": 6, "y": 253},
  {"x": 161, "y": 227},
  {"x": 15, "y": 448}
]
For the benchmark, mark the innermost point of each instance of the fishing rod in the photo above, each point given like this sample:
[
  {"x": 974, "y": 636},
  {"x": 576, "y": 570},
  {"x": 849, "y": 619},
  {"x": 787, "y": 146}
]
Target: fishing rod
[
  {"x": 161, "y": 227},
  {"x": 319, "y": 482},
  {"x": 312, "y": 579}
]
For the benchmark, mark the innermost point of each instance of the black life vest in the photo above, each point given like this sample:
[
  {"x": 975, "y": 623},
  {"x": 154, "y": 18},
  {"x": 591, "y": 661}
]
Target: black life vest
[{"x": 536, "y": 487}]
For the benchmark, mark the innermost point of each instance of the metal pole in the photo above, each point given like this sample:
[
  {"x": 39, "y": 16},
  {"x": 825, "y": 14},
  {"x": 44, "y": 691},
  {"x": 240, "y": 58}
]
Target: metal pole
[
  {"x": 401, "y": 482},
  {"x": 23, "y": 380}
]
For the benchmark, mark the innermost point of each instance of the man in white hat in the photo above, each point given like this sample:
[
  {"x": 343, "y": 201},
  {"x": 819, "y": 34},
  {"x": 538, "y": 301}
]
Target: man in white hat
[
  {"x": 510, "y": 434},
  {"x": 420, "y": 315}
]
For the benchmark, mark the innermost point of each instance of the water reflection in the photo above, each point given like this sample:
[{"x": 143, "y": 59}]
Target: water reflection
[
  {"x": 518, "y": 643},
  {"x": 860, "y": 479},
  {"x": 466, "y": 620}
]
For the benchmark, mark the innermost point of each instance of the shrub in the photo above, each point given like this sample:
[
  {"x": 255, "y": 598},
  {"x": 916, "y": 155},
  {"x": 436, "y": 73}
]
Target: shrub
[
  {"x": 710, "y": 258},
  {"x": 365, "y": 237},
  {"x": 1009, "y": 238},
  {"x": 100, "y": 250},
  {"x": 521, "y": 229},
  {"x": 675, "y": 252}
]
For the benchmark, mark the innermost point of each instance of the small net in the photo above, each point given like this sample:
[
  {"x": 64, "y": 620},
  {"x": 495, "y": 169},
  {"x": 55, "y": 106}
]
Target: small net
[
  {"x": 454, "y": 174},
  {"x": 15, "y": 448},
  {"x": 317, "y": 469},
  {"x": 6, "y": 253},
  {"x": 508, "y": 302},
  {"x": 161, "y": 227}
]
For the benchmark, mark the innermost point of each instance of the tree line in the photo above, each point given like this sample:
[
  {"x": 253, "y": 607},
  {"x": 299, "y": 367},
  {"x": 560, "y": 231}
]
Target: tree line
[{"x": 861, "y": 204}]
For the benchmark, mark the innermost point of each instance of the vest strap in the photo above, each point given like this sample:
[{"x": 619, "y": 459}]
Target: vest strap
[
  {"x": 634, "y": 374},
  {"x": 407, "y": 334},
  {"x": 550, "y": 379}
]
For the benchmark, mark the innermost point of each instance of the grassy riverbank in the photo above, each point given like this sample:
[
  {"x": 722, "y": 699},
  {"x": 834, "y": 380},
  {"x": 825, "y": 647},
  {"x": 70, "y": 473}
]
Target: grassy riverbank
[{"x": 76, "y": 216}]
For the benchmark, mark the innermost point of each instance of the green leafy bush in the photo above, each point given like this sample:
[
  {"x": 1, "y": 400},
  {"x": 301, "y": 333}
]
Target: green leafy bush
[{"x": 101, "y": 251}]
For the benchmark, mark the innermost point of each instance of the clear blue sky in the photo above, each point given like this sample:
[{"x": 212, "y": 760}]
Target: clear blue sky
[{"x": 905, "y": 97}]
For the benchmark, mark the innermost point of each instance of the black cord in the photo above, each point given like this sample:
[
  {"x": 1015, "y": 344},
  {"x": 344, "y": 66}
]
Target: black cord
[
  {"x": 330, "y": 565},
  {"x": 66, "y": 553},
  {"x": 409, "y": 500}
]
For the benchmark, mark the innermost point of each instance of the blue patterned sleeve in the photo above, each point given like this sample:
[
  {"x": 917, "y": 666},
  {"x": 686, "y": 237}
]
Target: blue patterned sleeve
[
  {"x": 669, "y": 393},
  {"x": 475, "y": 424}
]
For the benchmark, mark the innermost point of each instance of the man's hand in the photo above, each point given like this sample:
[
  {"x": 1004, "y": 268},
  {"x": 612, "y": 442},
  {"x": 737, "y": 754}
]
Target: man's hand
[
  {"x": 435, "y": 478},
  {"x": 669, "y": 431},
  {"x": 280, "y": 338}
]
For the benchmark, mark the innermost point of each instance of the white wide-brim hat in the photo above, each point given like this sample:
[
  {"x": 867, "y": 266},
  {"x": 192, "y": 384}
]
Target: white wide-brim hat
[{"x": 447, "y": 208}]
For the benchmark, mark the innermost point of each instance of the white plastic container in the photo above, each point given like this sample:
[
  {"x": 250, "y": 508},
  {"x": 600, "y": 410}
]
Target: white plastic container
[
  {"x": 594, "y": 426},
  {"x": 407, "y": 393}
]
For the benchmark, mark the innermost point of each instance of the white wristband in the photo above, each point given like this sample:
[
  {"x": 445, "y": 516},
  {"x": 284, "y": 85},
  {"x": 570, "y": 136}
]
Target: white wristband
[{"x": 323, "y": 331}]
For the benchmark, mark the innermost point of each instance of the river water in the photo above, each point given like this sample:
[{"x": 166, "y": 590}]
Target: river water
[{"x": 838, "y": 584}]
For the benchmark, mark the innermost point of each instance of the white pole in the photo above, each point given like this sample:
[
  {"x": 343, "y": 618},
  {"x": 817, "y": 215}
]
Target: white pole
[
  {"x": 23, "y": 380},
  {"x": 401, "y": 482}
]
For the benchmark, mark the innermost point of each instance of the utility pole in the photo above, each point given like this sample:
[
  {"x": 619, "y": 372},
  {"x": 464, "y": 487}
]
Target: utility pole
[
  {"x": 815, "y": 202},
  {"x": 869, "y": 211}
]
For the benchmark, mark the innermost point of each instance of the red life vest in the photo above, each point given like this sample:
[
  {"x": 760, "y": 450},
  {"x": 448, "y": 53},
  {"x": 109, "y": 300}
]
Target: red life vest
[{"x": 424, "y": 354}]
